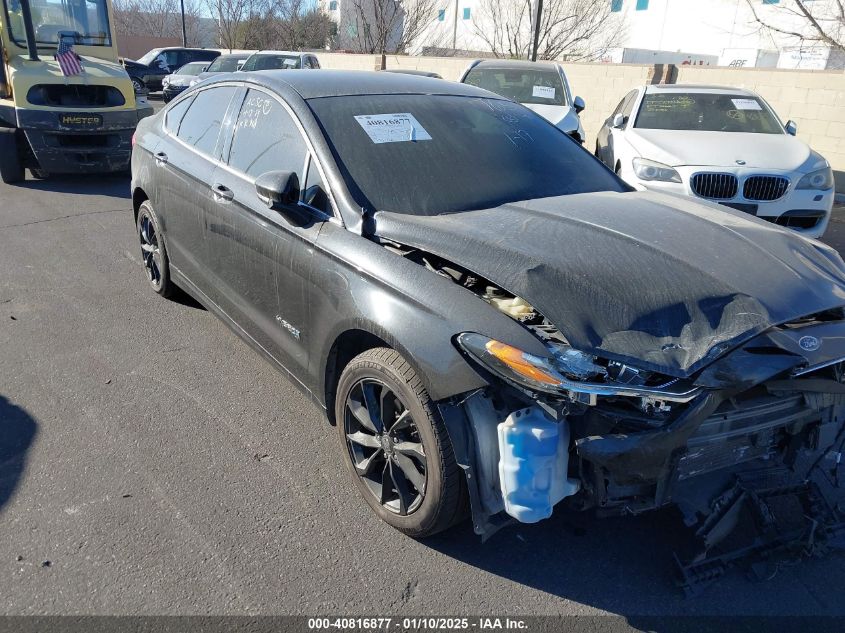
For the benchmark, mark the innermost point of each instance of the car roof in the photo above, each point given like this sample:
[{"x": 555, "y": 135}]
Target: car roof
[
  {"x": 411, "y": 71},
  {"x": 335, "y": 83},
  {"x": 514, "y": 64},
  {"x": 279, "y": 53},
  {"x": 658, "y": 88},
  {"x": 238, "y": 55}
]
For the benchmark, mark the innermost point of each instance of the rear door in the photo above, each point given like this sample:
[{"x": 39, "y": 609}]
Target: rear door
[
  {"x": 187, "y": 158},
  {"x": 261, "y": 258}
]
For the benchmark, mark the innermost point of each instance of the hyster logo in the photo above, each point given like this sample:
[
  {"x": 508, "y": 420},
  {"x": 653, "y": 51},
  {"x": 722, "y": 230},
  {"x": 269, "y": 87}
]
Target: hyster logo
[{"x": 80, "y": 119}]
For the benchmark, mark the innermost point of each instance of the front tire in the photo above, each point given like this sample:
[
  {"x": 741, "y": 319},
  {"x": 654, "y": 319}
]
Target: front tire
[
  {"x": 11, "y": 167},
  {"x": 153, "y": 250},
  {"x": 138, "y": 85},
  {"x": 396, "y": 446}
]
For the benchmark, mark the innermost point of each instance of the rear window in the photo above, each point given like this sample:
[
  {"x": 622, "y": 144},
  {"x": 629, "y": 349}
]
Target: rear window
[
  {"x": 271, "y": 62},
  {"x": 225, "y": 64},
  {"x": 522, "y": 86},
  {"x": 201, "y": 125},
  {"x": 428, "y": 154},
  {"x": 706, "y": 112}
]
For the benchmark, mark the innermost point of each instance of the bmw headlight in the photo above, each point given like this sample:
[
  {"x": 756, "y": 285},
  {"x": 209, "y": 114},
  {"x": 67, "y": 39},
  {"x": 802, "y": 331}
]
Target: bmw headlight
[
  {"x": 819, "y": 179},
  {"x": 652, "y": 170}
]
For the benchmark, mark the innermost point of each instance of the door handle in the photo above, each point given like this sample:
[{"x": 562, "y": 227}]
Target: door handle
[
  {"x": 161, "y": 158},
  {"x": 222, "y": 193}
]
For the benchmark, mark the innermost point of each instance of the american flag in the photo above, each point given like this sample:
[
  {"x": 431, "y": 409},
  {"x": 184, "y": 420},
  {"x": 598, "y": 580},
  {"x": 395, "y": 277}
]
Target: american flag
[{"x": 69, "y": 61}]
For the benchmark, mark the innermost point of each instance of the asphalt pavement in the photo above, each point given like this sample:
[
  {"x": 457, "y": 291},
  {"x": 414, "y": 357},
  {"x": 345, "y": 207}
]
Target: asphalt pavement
[{"x": 151, "y": 463}]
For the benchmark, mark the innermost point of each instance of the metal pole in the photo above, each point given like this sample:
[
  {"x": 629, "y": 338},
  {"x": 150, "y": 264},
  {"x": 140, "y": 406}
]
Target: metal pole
[
  {"x": 455, "y": 30},
  {"x": 184, "y": 32},
  {"x": 535, "y": 40}
]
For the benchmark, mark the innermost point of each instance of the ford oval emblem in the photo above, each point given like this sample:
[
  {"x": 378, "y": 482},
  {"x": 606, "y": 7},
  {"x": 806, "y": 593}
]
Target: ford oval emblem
[
  {"x": 740, "y": 162},
  {"x": 809, "y": 343}
]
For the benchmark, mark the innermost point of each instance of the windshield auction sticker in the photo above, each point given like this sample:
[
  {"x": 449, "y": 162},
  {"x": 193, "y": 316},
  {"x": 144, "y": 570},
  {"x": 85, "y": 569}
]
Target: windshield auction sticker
[
  {"x": 746, "y": 104},
  {"x": 543, "y": 92},
  {"x": 392, "y": 128}
]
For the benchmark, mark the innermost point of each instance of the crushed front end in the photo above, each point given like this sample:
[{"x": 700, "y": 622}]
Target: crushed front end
[{"x": 752, "y": 442}]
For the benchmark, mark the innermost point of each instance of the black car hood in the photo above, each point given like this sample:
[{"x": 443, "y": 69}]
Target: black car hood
[{"x": 665, "y": 282}]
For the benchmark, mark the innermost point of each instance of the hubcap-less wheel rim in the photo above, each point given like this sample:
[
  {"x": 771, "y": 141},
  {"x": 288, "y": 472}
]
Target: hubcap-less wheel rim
[
  {"x": 150, "y": 251},
  {"x": 385, "y": 446}
]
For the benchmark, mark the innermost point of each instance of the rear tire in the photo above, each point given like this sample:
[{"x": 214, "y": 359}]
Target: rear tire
[
  {"x": 402, "y": 432},
  {"x": 11, "y": 167},
  {"x": 153, "y": 251}
]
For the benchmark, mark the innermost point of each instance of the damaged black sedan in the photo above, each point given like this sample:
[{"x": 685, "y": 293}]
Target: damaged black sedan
[{"x": 494, "y": 322}]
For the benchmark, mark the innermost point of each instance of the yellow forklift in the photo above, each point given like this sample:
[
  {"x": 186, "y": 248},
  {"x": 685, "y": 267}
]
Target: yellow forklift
[{"x": 73, "y": 117}]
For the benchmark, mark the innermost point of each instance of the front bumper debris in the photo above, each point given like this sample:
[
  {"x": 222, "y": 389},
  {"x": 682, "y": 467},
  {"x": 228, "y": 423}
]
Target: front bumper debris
[{"x": 761, "y": 527}]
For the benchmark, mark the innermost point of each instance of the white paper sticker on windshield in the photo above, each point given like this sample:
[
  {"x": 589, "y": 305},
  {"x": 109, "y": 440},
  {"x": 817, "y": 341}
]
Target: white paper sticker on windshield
[
  {"x": 746, "y": 104},
  {"x": 392, "y": 128},
  {"x": 543, "y": 92},
  {"x": 290, "y": 62}
]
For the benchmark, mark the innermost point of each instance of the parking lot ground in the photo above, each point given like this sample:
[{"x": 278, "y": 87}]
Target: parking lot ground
[{"x": 151, "y": 463}]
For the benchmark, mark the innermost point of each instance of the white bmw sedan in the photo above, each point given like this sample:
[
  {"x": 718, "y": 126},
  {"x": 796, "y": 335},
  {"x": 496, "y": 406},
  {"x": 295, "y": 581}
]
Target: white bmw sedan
[{"x": 721, "y": 144}]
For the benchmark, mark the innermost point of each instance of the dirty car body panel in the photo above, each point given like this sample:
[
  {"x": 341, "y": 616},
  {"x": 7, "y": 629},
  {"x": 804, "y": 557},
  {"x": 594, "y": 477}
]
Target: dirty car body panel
[{"x": 680, "y": 344}]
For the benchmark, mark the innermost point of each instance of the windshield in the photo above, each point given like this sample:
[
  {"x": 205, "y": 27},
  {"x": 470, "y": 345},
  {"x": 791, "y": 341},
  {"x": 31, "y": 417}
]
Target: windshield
[
  {"x": 271, "y": 62},
  {"x": 194, "y": 68},
  {"x": 706, "y": 112},
  {"x": 86, "y": 22},
  {"x": 522, "y": 86},
  {"x": 426, "y": 155},
  {"x": 149, "y": 57},
  {"x": 225, "y": 64}
]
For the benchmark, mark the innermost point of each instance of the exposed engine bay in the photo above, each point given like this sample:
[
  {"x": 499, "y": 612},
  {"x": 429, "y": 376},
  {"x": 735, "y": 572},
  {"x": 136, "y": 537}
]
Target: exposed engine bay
[{"x": 763, "y": 422}]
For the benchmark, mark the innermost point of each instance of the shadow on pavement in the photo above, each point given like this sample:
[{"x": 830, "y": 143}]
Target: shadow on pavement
[
  {"x": 17, "y": 432},
  {"x": 111, "y": 185},
  {"x": 622, "y": 565}
]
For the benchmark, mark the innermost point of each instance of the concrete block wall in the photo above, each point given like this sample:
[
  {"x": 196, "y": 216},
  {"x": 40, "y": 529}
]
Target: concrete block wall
[{"x": 814, "y": 99}]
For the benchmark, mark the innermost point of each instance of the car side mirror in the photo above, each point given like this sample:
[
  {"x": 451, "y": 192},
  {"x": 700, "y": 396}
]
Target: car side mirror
[
  {"x": 791, "y": 127},
  {"x": 278, "y": 188},
  {"x": 618, "y": 121},
  {"x": 578, "y": 104}
]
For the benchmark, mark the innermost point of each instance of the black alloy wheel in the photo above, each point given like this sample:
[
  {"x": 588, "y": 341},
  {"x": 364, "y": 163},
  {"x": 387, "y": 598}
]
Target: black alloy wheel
[
  {"x": 153, "y": 250},
  {"x": 385, "y": 446}
]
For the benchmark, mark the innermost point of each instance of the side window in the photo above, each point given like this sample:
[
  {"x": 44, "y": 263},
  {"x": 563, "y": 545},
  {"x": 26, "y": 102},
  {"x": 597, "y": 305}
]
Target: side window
[
  {"x": 314, "y": 192},
  {"x": 266, "y": 138},
  {"x": 315, "y": 63},
  {"x": 169, "y": 60},
  {"x": 174, "y": 115},
  {"x": 201, "y": 125}
]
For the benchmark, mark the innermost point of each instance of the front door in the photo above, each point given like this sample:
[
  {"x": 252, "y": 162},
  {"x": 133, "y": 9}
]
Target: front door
[{"x": 259, "y": 257}]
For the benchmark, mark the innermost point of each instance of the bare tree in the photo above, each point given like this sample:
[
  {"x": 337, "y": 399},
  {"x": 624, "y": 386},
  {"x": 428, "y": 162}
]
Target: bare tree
[
  {"x": 575, "y": 29},
  {"x": 236, "y": 20},
  {"x": 156, "y": 18},
  {"x": 386, "y": 26},
  {"x": 300, "y": 25},
  {"x": 806, "y": 23}
]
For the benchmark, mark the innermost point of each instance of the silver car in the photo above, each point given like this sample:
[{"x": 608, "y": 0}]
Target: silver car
[{"x": 539, "y": 86}]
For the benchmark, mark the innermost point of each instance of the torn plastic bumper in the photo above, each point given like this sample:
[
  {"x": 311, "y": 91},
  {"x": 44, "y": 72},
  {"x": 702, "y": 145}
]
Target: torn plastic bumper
[{"x": 761, "y": 527}]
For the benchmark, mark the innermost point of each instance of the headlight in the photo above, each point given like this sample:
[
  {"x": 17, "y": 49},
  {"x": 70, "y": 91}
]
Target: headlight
[
  {"x": 511, "y": 363},
  {"x": 166, "y": 81},
  {"x": 819, "y": 179},
  {"x": 552, "y": 374},
  {"x": 652, "y": 170}
]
